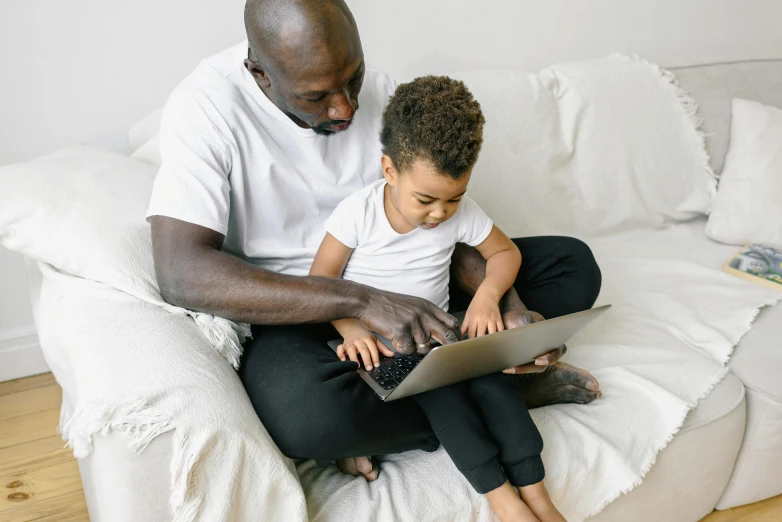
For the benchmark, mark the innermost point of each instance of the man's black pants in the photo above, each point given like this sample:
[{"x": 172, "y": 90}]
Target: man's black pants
[{"x": 317, "y": 407}]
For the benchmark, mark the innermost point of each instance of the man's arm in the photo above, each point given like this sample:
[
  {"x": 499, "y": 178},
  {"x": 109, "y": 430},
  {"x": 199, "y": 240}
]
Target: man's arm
[
  {"x": 469, "y": 269},
  {"x": 194, "y": 273}
]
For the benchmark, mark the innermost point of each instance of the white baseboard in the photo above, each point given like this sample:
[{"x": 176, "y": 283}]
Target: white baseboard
[{"x": 20, "y": 353}]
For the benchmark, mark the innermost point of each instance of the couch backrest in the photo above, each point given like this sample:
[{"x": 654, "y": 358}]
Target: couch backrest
[{"x": 714, "y": 86}]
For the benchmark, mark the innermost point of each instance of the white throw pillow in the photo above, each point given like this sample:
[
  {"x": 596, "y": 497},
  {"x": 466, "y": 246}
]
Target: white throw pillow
[
  {"x": 589, "y": 148},
  {"x": 748, "y": 207},
  {"x": 82, "y": 211}
]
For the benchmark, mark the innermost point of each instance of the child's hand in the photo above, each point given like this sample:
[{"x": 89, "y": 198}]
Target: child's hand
[
  {"x": 361, "y": 341},
  {"x": 483, "y": 316}
]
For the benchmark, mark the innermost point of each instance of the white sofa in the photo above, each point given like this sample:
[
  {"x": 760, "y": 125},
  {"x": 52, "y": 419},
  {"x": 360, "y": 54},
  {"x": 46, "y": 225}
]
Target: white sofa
[{"x": 728, "y": 453}]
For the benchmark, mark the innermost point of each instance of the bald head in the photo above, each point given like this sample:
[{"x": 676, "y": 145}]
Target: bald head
[
  {"x": 306, "y": 57},
  {"x": 286, "y": 30}
]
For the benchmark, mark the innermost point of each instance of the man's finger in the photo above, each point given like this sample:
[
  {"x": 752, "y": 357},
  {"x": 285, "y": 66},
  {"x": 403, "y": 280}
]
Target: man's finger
[
  {"x": 551, "y": 357},
  {"x": 404, "y": 343},
  {"x": 444, "y": 328},
  {"x": 422, "y": 339},
  {"x": 525, "y": 368}
]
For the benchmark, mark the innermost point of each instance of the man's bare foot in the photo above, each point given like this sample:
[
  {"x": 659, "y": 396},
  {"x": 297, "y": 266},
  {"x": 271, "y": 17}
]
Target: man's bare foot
[
  {"x": 560, "y": 383},
  {"x": 508, "y": 506},
  {"x": 364, "y": 466},
  {"x": 538, "y": 501}
]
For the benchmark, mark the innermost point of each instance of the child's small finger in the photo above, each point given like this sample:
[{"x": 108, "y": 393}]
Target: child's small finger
[
  {"x": 384, "y": 349},
  {"x": 491, "y": 327},
  {"x": 352, "y": 353},
  {"x": 365, "y": 356},
  {"x": 500, "y": 326},
  {"x": 341, "y": 352}
]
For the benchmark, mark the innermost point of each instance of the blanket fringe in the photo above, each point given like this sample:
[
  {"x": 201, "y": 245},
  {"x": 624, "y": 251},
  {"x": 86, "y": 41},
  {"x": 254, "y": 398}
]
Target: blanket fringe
[
  {"x": 136, "y": 418},
  {"x": 682, "y": 417},
  {"x": 142, "y": 423},
  {"x": 185, "y": 502},
  {"x": 226, "y": 336},
  {"x": 690, "y": 107}
]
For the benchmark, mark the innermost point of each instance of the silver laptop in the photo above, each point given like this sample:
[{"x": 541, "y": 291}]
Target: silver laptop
[{"x": 405, "y": 375}]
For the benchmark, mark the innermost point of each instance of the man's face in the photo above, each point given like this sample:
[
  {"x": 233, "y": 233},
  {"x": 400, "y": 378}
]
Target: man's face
[{"x": 317, "y": 89}]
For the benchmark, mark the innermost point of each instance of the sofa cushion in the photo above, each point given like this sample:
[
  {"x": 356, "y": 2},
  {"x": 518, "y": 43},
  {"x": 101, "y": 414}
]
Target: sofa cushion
[
  {"x": 588, "y": 148},
  {"x": 714, "y": 86},
  {"x": 757, "y": 360},
  {"x": 748, "y": 207}
]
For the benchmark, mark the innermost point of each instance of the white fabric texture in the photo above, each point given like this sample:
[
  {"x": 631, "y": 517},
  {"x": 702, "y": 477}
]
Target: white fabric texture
[
  {"x": 235, "y": 163},
  {"x": 748, "y": 207},
  {"x": 126, "y": 364},
  {"x": 78, "y": 209},
  {"x": 416, "y": 263},
  {"x": 579, "y": 149}
]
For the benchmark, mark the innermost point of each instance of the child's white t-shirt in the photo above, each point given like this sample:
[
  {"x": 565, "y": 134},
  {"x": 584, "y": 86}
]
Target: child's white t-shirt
[{"x": 416, "y": 263}]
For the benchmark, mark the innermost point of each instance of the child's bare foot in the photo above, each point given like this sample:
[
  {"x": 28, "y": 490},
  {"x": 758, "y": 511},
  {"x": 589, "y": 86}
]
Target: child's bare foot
[
  {"x": 356, "y": 466},
  {"x": 537, "y": 499},
  {"x": 508, "y": 506}
]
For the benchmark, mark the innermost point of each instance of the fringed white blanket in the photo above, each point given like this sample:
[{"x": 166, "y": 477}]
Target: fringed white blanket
[{"x": 126, "y": 364}]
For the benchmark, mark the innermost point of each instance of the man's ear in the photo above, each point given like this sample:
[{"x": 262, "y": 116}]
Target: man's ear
[
  {"x": 261, "y": 78},
  {"x": 389, "y": 170}
]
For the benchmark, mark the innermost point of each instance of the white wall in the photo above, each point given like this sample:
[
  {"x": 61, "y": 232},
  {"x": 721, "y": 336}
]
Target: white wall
[
  {"x": 82, "y": 71},
  {"x": 413, "y": 37}
]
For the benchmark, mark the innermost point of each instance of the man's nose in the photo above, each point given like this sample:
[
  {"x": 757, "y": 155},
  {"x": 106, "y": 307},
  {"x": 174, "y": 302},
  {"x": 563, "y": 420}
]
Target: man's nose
[{"x": 342, "y": 107}]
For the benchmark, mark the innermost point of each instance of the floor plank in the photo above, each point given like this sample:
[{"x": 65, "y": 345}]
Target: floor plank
[
  {"x": 23, "y": 492},
  {"x": 30, "y": 401},
  {"x": 28, "y": 383},
  {"x": 30, "y": 427},
  {"x": 33, "y": 455},
  {"x": 769, "y": 510},
  {"x": 71, "y": 507}
]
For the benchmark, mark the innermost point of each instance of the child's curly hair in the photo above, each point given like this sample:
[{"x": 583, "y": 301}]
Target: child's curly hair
[{"x": 436, "y": 118}]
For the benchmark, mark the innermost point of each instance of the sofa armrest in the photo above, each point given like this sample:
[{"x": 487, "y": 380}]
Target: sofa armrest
[{"x": 132, "y": 369}]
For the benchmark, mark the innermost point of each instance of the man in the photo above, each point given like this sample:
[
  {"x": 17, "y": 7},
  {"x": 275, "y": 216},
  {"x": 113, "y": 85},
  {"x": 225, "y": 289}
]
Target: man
[{"x": 258, "y": 147}]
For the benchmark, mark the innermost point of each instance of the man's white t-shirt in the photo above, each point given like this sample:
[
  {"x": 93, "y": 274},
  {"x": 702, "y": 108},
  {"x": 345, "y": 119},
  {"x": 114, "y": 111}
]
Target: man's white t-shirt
[
  {"x": 416, "y": 263},
  {"x": 234, "y": 163}
]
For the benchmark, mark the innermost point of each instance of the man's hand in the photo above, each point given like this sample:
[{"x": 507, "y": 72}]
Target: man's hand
[
  {"x": 519, "y": 317},
  {"x": 359, "y": 340},
  {"x": 410, "y": 322}
]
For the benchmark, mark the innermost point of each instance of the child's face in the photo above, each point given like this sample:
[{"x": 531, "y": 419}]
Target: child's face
[{"x": 422, "y": 195}]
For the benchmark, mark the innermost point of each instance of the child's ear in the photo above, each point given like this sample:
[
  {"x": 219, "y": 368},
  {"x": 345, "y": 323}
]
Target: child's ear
[{"x": 389, "y": 171}]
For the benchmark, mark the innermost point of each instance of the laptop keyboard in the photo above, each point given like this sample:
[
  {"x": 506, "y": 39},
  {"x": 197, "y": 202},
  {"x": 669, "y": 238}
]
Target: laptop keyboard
[{"x": 391, "y": 370}]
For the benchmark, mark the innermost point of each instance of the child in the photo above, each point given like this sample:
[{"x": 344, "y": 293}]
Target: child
[{"x": 398, "y": 234}]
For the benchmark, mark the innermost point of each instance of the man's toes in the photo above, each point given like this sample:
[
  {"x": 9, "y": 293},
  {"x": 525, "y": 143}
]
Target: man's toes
[
  {"x": 568, "y": 374},
  {"x": 578, "y": 395}
]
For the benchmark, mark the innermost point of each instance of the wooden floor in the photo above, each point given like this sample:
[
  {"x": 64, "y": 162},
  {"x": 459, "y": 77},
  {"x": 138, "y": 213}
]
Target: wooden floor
[{"x": 40, "y": 479}]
